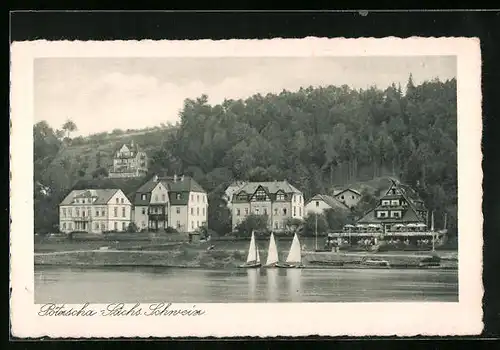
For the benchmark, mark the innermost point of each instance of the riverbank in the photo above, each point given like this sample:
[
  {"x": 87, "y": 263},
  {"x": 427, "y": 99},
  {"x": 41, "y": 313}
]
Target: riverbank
[{"x": 197, "y": 256}]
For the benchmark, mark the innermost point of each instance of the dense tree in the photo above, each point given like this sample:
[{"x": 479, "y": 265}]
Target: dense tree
[
  {"x": 69, "y": 126},
  {"x": 251, "y": 223}
]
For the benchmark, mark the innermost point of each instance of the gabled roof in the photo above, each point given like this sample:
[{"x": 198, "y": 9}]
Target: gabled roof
[
  {"x": 270, "y": 186},
  {"x": 131, "y": 146},
  {"x": 128, "y": 185},
  {"x": 103, "y": 195},
  {"x": 331, "y": 201},
  {"x": 409, "y": 216},
  {"x": 347, "y": 190},
  {"x": 182, "y": 184}
]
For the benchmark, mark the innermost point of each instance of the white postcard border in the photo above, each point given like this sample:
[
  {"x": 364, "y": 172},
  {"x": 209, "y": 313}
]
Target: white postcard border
[{"x": 262, "y": 319}]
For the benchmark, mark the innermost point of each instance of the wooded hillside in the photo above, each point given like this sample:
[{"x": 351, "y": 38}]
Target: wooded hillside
[{"x": 317, "y": 138}]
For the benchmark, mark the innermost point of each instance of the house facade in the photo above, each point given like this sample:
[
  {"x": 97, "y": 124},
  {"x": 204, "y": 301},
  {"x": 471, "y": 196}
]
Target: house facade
[
  {"x": 279, "y": 200},
  {"x": 320, "y": 202},
  {"x": 349, "y": 197},
  {"x": 129, "y": 161},
  {"x": 178, "y": 202},
  {"x": 399, "y": 206},
  {"x": 232, "y": 189},
  {"x": 95, "y": 211}
]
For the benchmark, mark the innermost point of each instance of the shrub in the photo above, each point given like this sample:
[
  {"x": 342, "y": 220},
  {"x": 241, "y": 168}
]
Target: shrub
[
  {"x": 132, "y": 227},
  {"x": 170, "y": 229}
]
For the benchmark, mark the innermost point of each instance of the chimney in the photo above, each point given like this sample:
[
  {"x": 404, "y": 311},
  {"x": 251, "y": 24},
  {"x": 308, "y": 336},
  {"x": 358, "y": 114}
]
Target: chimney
[
  {"x": 155, "y": 178},
  {"x": 175, "y": 177}
]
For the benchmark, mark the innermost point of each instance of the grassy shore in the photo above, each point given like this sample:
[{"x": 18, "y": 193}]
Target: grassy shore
[{"x": 224, "y": 254}]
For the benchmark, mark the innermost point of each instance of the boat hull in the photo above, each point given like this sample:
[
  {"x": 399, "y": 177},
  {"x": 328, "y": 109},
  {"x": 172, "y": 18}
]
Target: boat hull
[
  {"x": 290, "y": 265},
  {"x": 250, "y": 266},
  {"x": 270, "y": 266}
]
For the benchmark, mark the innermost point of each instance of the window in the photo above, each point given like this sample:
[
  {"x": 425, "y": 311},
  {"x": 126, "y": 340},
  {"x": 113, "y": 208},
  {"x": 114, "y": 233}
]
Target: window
[
  {"x": 124, "y": 226},
  {"x": 395, "y": 202},
  {"x": 64, "y": 212},
  {"x": 284, "y": 211},
  {"x": 280, "y": 196},
  {"x": 77, "y": 201},
  {"x": 257, "y": 211},
  {"x": 276, "y": 224},
  {"x": 265, "y": 211},
  {"x": 395, "y": 214},
  {"x": 104, "y": 212},
  {"x": 83, "y": 213},
  {"x": 123, "y": 212},
  {"x": 178, "y": 224},
  {"x": 178, "y": 196},
  {"x": 317, "y": 203},
  {"x": 294, "y": 211},
  {"x": 197, "y": 211},
  {"x": 386, "y": 202},
  {"x": 192, "y": 224},
  {"x": 144, "y": 197},
  {"x": 203, "y": 197},
  {"x": 121, "y": 200},
  {"x": 77, "y": 212},
  {"x": 352, "y": 197},
  {"x": 300, "y": 211},
  {"x": 96, "y": 226},
  {"x": 70, "y": 211},
  {"x": 117, "y": 200},
  {"x": 143, "y": 211},
  {"x": 382, "y": 214},
  {"x": 393, "y": 191},
  {"x": 97, "y": 212},
  {"x": 192, "y": 211},
  {"x": 197, "y": 197},
  {"x": 178, "y": 210},
  {"x": 192, "y": 197},
  {"x": 238, "y": 212},
  {"x": 342, "y": 197},
  {"x": 275, "y": 211},
  {"x": 116, "y": 226},
  {"x": 203, "y": 211},
  {"x": 260, "y": 195},
  {"x": 163, "y": 197},
  {"x": 116, "y": 212},
  {"x": 103, "y": 227},
  {"x": 246, "y": 211},
  {"x": 64, "y": 226}
]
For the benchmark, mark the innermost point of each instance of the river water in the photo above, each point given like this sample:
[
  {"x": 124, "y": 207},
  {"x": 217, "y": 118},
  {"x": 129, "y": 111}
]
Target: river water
[{"x": 149, "y": 285}]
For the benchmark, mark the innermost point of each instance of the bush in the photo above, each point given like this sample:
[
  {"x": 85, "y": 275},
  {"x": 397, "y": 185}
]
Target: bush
[
  {"x": 132, "y": 227},
  {"x": 170, "y": 229}
]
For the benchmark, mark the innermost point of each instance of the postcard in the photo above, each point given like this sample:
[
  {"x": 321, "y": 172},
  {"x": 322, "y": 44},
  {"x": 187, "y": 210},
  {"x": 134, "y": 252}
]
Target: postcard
[{"x": 282, "y": 187}]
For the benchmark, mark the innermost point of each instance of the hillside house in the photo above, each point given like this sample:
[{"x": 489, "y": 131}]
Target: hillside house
[
  {"x": 279, "y": 200},
  {"x": 348, "y": 196},
  {"x": 400, "y": 206},
  {"x": 178, "y": 202},
  {"x": 95, "y": 211},
  {"x": 320, "y": 202},
  {"x": 129, "y": 161},
  {"x": 230, "y": 190}
]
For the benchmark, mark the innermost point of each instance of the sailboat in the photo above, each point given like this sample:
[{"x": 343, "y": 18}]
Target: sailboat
[
  {"x": 253, "y": 258},
  {"x": 294, "y": 258},
  {"x": 272, "y": 253}
]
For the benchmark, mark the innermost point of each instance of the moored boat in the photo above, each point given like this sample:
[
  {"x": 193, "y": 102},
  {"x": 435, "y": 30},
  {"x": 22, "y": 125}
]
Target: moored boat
[
  {"x": 272, "y": 253},
  {"x": 294, "y": 258},
  {"x": 253, "y": 257}
]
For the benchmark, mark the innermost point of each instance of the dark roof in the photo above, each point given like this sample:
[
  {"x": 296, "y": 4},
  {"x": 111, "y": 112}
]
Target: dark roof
[
  {"x": 128, "y": 185},
  {"x": 182, "y": 184},
  {"x": 331, "y": 201},
  {"x": 410, "y": 214},
  {"x": 102, "y": 195},
  {"x": 346, "y": 190},
  {"x": 132, "y": 147}
]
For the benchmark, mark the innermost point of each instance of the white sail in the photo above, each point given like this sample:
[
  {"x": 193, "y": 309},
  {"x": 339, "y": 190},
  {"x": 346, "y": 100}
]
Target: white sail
[
  {"x": 294, "y": 255},
  {"x": 272, "y": 252},
  {"x": 252, "y": 250},
  {"x": 258, "y": 255}
]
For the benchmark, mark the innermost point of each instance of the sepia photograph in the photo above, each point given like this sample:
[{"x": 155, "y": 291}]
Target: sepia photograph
[{"x": 248, "y": 179}]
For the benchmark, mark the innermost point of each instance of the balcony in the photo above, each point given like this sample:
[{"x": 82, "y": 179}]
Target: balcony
[{"x": 158, "y": 217}]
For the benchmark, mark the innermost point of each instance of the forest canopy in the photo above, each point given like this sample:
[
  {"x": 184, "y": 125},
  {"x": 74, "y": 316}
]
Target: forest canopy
[{"x": 317, "y": 138}]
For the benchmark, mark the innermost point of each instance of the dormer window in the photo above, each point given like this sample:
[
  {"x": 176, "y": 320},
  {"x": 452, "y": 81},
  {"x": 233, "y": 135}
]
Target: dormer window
[
  {"x": 260, "y": 195},
  {"x": 144, "y": 197},
  {"x": 280, "y": 196}
]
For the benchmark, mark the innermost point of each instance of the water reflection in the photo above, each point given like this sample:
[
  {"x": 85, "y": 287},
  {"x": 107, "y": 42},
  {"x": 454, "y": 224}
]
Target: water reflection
[
  {"x": 272, "y": 285},
  {"x": 294, "y": 279},
  {"x": 64, "y": 285},
  {"x": 253, "y": 276}
]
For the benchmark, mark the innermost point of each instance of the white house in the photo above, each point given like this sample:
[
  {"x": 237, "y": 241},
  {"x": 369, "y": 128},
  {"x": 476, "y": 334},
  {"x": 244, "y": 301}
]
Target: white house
[
  {"x": 95, "y": 211},
  {"x": 349, "y": 197},
  {"x": 318, "y": 203},
  {"x": 129, "y": 161},
  {"x": 178, "y": 202}
]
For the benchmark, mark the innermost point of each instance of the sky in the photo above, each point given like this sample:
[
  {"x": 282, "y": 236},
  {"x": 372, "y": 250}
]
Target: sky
[{"x": 101, "y": 94}]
